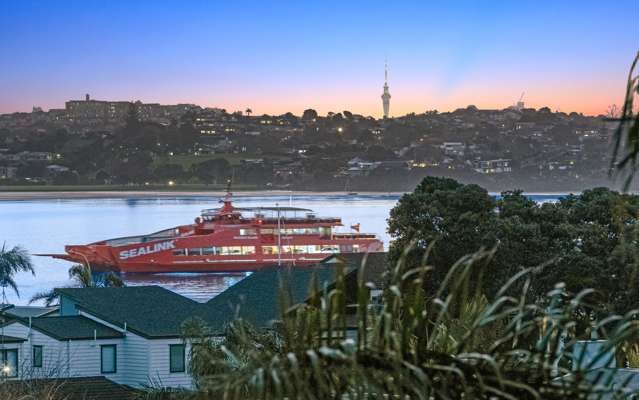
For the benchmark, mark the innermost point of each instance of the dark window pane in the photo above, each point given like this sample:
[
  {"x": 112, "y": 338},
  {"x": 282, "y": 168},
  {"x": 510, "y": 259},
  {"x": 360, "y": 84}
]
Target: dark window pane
[
  {"x": 176, "y": 355},
  {"x": 37, "y": 356},
  {"x": 108, "y": 359}
]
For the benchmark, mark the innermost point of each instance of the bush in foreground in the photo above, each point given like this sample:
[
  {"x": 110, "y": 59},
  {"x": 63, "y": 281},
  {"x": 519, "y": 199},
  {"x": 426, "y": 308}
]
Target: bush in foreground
[{"x": 455, "y": 343}]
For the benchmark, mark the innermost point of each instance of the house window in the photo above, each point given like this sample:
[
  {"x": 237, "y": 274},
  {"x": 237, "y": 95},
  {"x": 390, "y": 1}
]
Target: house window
[
  {"x": 37, "y": 357},
  {"x": 108, "y": 359},
  {"x": 176, "y": 358},
  {"x": 9, "y": 363}
]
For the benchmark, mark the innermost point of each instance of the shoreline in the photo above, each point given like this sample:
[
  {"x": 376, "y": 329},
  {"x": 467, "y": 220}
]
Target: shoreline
[
  {"x": 167, "y": 194},
  {"x": 141, "y": 194}
]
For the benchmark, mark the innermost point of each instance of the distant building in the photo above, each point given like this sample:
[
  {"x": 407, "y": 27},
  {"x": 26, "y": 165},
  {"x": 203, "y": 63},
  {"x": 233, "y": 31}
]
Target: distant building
[
  {"x": 498, "y": 166},
  {"x": 453, "y": 148},
  {"x": 55, "y": 169},
  {"x": 8, "y": 172},
  {"x": 524, "y": 125},
  {"x": 116, "y": 111},
  {"x": 87, "y": 109}
]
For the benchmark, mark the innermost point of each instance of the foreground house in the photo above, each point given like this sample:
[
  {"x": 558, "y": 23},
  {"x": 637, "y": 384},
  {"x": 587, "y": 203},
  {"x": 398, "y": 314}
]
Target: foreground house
[{"x": 133, "y": 335}]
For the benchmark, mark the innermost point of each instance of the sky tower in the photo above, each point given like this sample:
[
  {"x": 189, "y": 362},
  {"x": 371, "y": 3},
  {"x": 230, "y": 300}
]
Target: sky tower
[{"x": 386, "y": 95}]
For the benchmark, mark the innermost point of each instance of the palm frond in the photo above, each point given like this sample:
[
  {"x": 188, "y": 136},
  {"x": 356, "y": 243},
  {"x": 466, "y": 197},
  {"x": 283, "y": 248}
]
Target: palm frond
[
  {"x": 48, "y": 297},
  {"x": 82, "y": 275}
]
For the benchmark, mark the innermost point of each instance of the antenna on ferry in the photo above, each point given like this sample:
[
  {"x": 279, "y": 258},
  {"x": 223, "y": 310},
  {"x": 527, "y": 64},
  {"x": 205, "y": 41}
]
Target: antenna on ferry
[
  {"x": 279, "y": 236},
  {"x": 229, "y": 194}
]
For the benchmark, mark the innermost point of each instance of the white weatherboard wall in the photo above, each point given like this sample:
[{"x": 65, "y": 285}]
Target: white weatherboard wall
[
  {"x": 85, "y": 357},
  {"x": 69, "y": 358},
  {"x": 135, "y": 363},
  {"x": 136, "y": 367},
  {"x": 140, "y": 361},
  {"x": 54, "y": 362},
  {"x": 159, "y": 366}
]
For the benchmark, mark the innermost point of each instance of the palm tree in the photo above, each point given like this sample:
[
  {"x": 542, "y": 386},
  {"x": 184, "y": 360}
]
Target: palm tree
[
  {"x": 83, "y": 277},
  {"x": 11, "y": 262},
  {"x": 248, "y": 112}
]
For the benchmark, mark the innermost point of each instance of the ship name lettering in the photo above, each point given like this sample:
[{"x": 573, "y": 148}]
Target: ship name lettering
[{"x": 149, "y": 249}]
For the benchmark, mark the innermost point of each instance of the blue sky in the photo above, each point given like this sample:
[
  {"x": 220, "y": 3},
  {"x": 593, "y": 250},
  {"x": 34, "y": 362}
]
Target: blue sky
[{"x": 286, "y": 56}]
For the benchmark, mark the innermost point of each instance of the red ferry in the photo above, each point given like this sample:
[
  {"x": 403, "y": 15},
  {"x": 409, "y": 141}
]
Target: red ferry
[{"x": 227, "y": 239}]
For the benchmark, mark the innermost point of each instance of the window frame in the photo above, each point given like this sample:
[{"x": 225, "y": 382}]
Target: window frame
[
  {"x": 115, "y": 358},
  {"x": 171, "y": 369},
  {"x": 34, "y": 348},
  {"x": 3, "y": 362}
]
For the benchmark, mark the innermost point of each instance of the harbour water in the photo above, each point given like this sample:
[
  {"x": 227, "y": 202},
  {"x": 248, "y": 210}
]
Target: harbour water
[{"x": 46, "y": 226}]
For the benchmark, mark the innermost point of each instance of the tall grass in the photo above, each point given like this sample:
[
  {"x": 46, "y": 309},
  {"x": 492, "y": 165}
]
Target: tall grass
[{"x": 452, "y": 344}]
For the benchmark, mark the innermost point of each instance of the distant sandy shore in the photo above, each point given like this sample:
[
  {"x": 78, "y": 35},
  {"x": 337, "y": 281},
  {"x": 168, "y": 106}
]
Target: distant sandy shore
[{"x": 65, "y": 195}]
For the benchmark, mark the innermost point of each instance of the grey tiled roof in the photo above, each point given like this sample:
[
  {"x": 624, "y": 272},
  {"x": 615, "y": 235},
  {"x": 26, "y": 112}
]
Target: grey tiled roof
[
  {"x": 150, "y": 311},
  {"x": 256, "y": 297},
  {"x": 11, "y": 339},
  {"x": 74, "y": 327},
  {"x": 85, "y": 388},
  {"x": 29, "y": 311}
]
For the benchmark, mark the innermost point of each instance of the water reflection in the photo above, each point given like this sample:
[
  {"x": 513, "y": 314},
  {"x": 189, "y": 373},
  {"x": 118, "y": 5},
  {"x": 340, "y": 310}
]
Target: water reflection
[{"x": 198, "y": 286}]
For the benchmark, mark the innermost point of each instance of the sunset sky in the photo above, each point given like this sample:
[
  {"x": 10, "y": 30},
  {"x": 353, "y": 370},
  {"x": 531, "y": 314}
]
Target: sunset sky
[{"x": 288, "y": 56}]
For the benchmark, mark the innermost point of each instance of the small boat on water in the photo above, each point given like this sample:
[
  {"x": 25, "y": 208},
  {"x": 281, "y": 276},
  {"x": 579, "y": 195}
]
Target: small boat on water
[{"x": 227, "y": 239}]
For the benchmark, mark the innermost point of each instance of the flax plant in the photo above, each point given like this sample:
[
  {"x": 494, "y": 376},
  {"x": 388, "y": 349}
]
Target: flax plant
[
  {"x": 626, "y": 141},
  {"x": 452, "y": 344}
]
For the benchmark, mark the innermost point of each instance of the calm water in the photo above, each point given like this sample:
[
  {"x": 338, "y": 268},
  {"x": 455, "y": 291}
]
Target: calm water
[{"x": 45, "y": 226}]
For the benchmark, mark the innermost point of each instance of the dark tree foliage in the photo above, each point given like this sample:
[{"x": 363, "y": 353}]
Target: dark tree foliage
[
  {"x": 212, "y": 171},
  {"x": 586, "y": 240},
  {"x": 169, "y": 171},
  {"x": 309, "y": 114}
]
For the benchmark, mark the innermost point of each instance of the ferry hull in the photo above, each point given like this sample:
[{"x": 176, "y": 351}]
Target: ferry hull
[{"x": 229, "y": 265}]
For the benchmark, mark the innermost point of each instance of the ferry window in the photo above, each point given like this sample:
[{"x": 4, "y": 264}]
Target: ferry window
[
  {"x": 246, "y": 250},
  {"x": 314, "y": 249},
  {"x": 312, "y": 231},
  {"x": 36, "y": 362},
  {"x": 248, "y": 232},
  {"x": 9, "y": 363},
  {"x": 300, "y": 249},
  {"x": 325, "y": 231},
  {"x": 286, "y": 249},
  {"x": 355, "y": 248},
  {"x": 346, "y": 248},
  {"x": 269, "y": 249},
  {"x": 179, "y": 252},
  {"x": 329, "y": 249},
  {"x": 176, "y": 358},
  {"x": 267, "y": 231},
  {"x": 209, "y": 251},
  {"x": 230, "y": 250},
  {"x": 195, "y": 252},
  {"x": 108, "y": 359}
]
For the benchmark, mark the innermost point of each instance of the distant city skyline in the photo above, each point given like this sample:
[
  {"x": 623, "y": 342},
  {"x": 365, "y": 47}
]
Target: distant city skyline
[{"x": 328, "y": 56}]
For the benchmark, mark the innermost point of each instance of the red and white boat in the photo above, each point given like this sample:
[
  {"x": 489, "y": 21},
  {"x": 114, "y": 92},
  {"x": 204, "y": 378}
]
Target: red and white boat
[{"x": 227, "y": 239}]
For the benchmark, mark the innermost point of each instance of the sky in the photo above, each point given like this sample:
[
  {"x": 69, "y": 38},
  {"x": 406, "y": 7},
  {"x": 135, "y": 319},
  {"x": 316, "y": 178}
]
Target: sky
[{"x": 275, "y": 57}]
